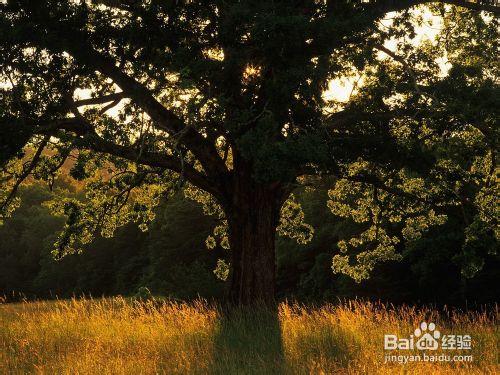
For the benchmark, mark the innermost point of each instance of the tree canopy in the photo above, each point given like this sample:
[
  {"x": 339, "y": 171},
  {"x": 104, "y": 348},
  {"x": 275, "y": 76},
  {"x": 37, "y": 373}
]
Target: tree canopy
[{"x": 225, "y": 99}]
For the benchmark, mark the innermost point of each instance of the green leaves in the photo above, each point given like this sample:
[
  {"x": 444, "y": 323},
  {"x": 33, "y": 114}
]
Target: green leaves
[
  {"x": 292, "y": 222},
  {"x": 210, "y": 86},
  {"x": 110, "y": 203}
]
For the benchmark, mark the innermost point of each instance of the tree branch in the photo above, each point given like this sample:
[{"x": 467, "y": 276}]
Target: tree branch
[
  {"x": 481, "y": 5},
  {"x": 164, "y": 119},
  {"x": 25, "y": 173},
  {"x": 370, "y": 180},
  {"x": 154, "y": 159},
  {"x": 100, "y": 100},
  {"x": 94, "y": 142},
  {"x": 403, "y": 62},
  {"x": 386, "y": 6},
  {"x": 125, "y": 5},
  {"x": 344, "y": 118}
]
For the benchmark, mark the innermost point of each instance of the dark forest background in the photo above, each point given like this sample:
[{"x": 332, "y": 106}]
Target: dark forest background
[{"x": 171, "y": 259}]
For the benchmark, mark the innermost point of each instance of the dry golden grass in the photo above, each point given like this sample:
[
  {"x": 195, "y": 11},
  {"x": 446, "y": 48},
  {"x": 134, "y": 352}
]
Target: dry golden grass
[{"x": 117, "y": 336}]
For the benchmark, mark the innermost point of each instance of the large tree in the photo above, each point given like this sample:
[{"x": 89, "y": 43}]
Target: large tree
[{"x": 226, "y": 99}]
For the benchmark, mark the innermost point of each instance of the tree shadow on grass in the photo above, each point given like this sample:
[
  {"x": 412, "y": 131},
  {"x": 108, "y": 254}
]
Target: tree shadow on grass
[{"x": 248, "y": 341}]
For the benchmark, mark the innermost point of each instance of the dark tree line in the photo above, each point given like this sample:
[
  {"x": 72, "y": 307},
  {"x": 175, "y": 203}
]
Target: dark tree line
[{"x": 172, "y": 260}]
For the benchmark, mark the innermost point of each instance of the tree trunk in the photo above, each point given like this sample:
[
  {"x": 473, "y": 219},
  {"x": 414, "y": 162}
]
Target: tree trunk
[{"x": 252, "y": 221}]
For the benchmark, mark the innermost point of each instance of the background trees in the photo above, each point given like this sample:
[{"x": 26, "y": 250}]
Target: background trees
[{"x": 171, "y": 259}]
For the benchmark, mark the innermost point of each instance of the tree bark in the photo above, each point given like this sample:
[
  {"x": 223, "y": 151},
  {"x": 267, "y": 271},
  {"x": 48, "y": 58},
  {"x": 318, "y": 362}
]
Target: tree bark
[{"x": 252, "y": 220}]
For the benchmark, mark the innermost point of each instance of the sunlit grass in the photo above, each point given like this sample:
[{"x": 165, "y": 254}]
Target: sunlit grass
[{"x": 117, "y": 336}]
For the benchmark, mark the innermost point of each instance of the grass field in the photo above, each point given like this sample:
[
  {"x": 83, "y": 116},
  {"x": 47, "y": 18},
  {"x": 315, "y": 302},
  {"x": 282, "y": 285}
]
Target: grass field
[{"x": 117, "y": 336}]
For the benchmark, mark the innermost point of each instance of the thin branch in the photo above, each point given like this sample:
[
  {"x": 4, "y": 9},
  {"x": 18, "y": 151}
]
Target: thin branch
[
  {"x": 94, "y": 142},
  {"x": 109, "y": 106},
  {"x": 408, "y": 68},
  {"x": 372, "y": 180},
  {"x": 386, "y": 6},
  {"x": 25, "y": 173},
  {"x": 481, "y": 5},
  {"x": 125, "y": 5},
  {"x": 100, "y": 100},
  {"x": 342, "y": 119},
  {"x": 403, "y": 62},
  {"x": 52, "y": 173}
]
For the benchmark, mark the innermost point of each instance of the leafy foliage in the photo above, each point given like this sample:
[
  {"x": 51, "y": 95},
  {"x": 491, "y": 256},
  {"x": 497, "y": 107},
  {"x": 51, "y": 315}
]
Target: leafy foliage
[
  {"x": 224, "y": 99},
  {"x": 169, "y": 259}
]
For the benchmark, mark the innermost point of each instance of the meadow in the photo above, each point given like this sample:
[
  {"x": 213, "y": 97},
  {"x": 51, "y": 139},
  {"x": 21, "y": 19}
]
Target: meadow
[{"x": 122, "y": 336}]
